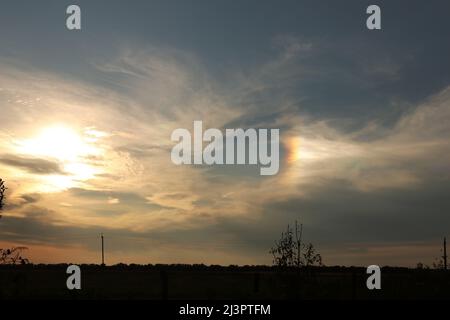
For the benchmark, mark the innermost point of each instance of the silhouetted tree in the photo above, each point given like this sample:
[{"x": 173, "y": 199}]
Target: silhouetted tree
[
  {"x": 283, "y": 251},
  {"x": 13, "y": 255},
  {"x": 2, "y": 193},
  {"x": 310, "y": 256},
  {"x": 438, "y": 263},
  {"x": 422, "y": 266},
  {"x": 289, "y": 251}
]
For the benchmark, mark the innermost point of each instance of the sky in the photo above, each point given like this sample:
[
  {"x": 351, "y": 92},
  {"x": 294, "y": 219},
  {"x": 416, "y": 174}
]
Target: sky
[{"x": 86, "y": 119}]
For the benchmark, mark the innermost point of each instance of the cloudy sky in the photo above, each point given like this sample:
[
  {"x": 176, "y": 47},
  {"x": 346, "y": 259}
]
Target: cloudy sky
[{"x": 86, "y": 118}]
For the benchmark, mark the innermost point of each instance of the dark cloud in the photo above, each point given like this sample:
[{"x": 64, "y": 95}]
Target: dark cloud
[
  {"x": 336, "y": 213},
  {"x": 32, "y": 165},
  {"x": 37, "y": 227},
  {"x": 142, "y": 150},
  {"x": 108, "y": 176},
  {"x": 175, "y": 196},
  {"x": 126, "y": 198},
  {"x": 22, "y": 201}
]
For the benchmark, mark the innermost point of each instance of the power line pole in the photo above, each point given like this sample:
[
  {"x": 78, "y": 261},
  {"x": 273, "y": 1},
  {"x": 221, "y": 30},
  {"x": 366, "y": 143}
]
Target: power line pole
[
  {"x": 103, "y": 252},
  {"x": 445, "y": 254}
]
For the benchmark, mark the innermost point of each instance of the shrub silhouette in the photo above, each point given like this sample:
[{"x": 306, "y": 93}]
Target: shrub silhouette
[
  {"x": 2, "y": 193},
  {"x": 289, "y": 251},
  {"x": 13, "y": 255}
]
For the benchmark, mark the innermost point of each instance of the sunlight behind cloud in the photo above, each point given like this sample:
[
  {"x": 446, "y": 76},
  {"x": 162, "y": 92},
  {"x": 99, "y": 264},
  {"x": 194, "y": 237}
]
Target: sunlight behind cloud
[
  {"x": 59, "y": 142},
  {"x": 69, "y": 148}
]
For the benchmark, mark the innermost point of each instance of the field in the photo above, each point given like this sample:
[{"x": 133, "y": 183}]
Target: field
[{"x": 160, "y": 282}]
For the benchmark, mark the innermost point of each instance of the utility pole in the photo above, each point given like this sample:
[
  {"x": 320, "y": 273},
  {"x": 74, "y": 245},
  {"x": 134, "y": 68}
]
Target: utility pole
[
  {"x": 445, "y": 254},
  {"x": 103, "y": 252}
]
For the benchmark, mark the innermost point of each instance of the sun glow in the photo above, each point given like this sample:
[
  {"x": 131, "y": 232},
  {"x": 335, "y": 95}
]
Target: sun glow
[
  {"x": 58, "y": 142},
  {"x": 316, "y": 150},
  {"x": 70, "y": 149}
]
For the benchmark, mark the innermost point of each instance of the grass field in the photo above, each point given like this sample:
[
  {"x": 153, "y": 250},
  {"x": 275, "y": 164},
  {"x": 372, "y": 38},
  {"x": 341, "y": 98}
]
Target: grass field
[{"x": 215, "y": 282}]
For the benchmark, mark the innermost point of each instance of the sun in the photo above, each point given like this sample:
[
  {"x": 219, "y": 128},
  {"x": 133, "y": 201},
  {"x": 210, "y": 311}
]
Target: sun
[
  {"x": 58, "y": 142},
  {"x": 70, "y": 148}
]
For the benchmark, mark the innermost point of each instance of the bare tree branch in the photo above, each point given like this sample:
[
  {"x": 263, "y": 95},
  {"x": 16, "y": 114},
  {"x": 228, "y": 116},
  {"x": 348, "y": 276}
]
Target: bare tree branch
[{"x": 290, "y": 252}]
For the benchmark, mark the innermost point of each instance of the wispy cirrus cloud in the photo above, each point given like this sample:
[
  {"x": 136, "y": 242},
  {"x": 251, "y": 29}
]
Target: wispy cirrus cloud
[{"x": 32, "y": 165}]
